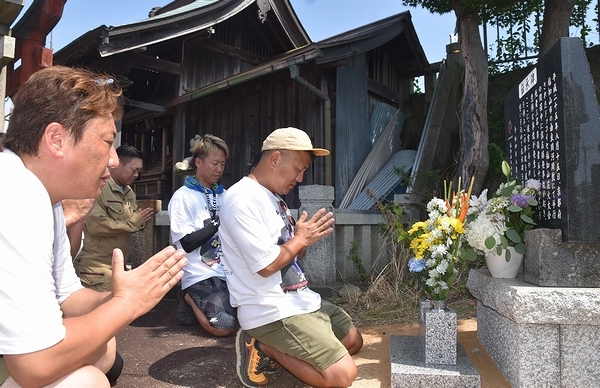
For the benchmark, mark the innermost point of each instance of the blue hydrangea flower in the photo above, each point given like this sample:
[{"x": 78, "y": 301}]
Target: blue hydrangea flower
[{"x": 415, "y": 265}]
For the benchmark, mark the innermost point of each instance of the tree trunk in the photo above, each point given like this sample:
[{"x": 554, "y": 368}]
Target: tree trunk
[
  {"x": 557, "y": 17},
  {"x": 474, "y": 137}
]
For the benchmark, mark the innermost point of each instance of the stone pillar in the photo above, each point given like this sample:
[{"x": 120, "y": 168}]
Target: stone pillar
[
  {"x": 143, "y": 242},
  {"x": 319, "y": 262},
  {"x": 440, "y": 337}
]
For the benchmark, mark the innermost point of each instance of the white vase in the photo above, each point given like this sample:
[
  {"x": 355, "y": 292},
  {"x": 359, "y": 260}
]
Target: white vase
[{"x": 499, "y": 267}]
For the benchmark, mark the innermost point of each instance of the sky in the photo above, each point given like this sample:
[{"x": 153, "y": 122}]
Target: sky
[{"x": 321, "y": 19}]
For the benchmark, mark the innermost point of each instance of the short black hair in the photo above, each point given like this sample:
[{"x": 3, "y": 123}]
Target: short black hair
[
  {"x": 127, "y": 151},
  {"x": 255, "y": 160}
]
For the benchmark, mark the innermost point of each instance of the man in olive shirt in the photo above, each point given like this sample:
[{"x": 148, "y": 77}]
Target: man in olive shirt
[{"x": 114, "y": 217}]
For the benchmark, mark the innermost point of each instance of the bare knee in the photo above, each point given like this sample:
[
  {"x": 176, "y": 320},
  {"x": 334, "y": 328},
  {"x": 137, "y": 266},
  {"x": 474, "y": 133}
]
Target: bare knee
[
  {"x": 353, "y": 341},
  {"x": 341, "y": 374},
  {"x": 86, "y": 376}
]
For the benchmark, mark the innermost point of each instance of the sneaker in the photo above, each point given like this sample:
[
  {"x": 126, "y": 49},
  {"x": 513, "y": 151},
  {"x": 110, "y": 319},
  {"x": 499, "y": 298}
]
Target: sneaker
[
  {"x": 273, "y": 367},
  {"x": 251, "y": 362},
  {"x": 222, "y": 321},
  {"x": 185, "y": 314}
]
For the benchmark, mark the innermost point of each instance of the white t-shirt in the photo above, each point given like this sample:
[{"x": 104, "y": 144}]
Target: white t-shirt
[
  {"x": 188, "y": 212},
  {"x": 252, "y": 227},
  {"x": 36, "y": 271}
]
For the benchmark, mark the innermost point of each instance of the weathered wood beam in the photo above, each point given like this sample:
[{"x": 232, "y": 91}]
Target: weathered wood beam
[
  {"x": 382, "y": 90},
  {"x": 148, "y": 62},
  {"x": 228, "y": 50},
  {"x": 146, "y": 106}
]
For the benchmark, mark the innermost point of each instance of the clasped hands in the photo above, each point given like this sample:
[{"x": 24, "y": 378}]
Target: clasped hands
[
  {"x": 144, "y": 286},
  {"x": 314, "y": 228}
]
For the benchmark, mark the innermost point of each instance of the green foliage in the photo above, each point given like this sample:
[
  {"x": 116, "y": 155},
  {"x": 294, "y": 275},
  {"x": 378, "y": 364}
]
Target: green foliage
[
  {"x": 519, "y": 24},
  {"x": 355, "y": 258}
]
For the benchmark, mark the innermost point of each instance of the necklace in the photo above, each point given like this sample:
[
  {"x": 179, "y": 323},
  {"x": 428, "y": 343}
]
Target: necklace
[
  {"x": 212, "y": 205},
  {"x": 215, "y": 188}
]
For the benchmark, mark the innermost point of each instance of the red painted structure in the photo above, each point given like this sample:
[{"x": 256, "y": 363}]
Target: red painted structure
[{"x": 30, "y": 33}]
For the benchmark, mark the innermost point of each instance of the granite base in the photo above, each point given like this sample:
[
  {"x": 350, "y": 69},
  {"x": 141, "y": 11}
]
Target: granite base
[
  {"x": 539, "y": 336},
  {"x": 550, "y": 262},
  {"x": 409, "y": 369}
]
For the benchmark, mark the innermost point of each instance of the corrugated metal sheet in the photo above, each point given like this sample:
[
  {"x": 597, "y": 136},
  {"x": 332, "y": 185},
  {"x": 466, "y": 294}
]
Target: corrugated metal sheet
[
  {"x": 380, "y": 117},
  {"x": 387, "y": 144},
  {"x": 385, "y": 181},
  {"x": 352, "y": 143}
]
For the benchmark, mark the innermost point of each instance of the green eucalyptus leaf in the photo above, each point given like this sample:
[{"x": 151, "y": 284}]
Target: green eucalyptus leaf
[
  {"x": 499, "y": 250},
  {"x": 527, "y": 219},
  {"x": 507, "y": 190},
  {"x": 471, "y": 255},
  {"x": 503, "y": 242},
  {"x": 514, "y": 208},
  {"x": 490, "y": 242},
  {"x": 513, "y": 236},
  {"x": 520, "y": 248},
  {"x": 507, "y": 255},
  {"x": 532, "y": 202}
]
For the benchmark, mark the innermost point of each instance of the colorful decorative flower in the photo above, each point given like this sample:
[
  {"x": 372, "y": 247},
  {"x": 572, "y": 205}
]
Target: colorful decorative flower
[
  {"x": 436, "y": 242},
  {"x": 501, "y": 221}
]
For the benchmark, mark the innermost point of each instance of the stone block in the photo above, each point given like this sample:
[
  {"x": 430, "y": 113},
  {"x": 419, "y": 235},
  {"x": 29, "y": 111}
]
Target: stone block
[
  {"x": 527, "y": 354},
  {"x": 440, "y": 337},
  {"x": 538, "y": 336},
  {"x": 408, "y": 367},
  {"x": 550, "y": 262}
]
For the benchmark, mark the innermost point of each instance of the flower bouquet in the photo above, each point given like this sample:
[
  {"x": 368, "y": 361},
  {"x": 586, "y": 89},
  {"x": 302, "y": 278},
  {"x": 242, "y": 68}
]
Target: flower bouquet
[
  {"x": 500, "y": 222},
  {"x": 436, "y": 242}
]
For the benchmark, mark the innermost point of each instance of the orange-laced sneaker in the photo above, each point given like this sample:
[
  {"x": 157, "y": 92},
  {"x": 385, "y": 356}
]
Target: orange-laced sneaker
[{"x": 251, "y": 362}]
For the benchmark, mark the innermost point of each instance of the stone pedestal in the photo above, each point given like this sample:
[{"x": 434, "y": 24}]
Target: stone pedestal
[
  {"x": 409, "y": 369},
  {"x": 321, "y": 270},
  {"x": 440, "y": 337},
  {"x": 539, "y": 336},
  {"x": 551, "y": 262}
]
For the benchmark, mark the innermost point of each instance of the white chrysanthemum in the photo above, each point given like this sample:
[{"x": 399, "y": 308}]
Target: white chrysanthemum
[
  {"x": 443, "y": 285},
  {"x": 431, "y": 282},
  {"x": 433, "y": 274},
  {"x": 436, "y": 205},
  {"x": 439, "y": 251},
  {"x": 442, "y": 267},
  {"x": 430, "y": 263}
]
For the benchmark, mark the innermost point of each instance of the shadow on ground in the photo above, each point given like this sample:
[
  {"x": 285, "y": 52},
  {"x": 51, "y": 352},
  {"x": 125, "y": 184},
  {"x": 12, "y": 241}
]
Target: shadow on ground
[{"x": 160, "y": 353}]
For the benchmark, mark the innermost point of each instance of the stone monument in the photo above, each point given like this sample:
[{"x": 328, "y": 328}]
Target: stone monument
[
  {"x": 541, "y": 328},
  {"x": 553, "y": 135}
]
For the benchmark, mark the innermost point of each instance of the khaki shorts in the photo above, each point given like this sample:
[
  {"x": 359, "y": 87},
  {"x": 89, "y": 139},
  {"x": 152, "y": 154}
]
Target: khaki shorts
[
  {"x": 3, "y": 371},
  {"x": 313, "y": 337}
]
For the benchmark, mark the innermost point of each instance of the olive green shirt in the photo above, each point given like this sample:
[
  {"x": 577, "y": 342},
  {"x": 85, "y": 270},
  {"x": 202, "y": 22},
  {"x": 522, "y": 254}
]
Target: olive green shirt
[{"x": 109, "y": 225}]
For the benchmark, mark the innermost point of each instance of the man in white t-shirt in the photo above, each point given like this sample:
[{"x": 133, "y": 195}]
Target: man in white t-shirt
[
  {"x": 282, "y": 320},
  {"x": 194, "y": 219},
  {"x": 59, "y": 145}
]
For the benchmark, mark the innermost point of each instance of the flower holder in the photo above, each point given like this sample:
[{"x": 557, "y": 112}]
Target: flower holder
[{"x": 440, "y": 336}]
